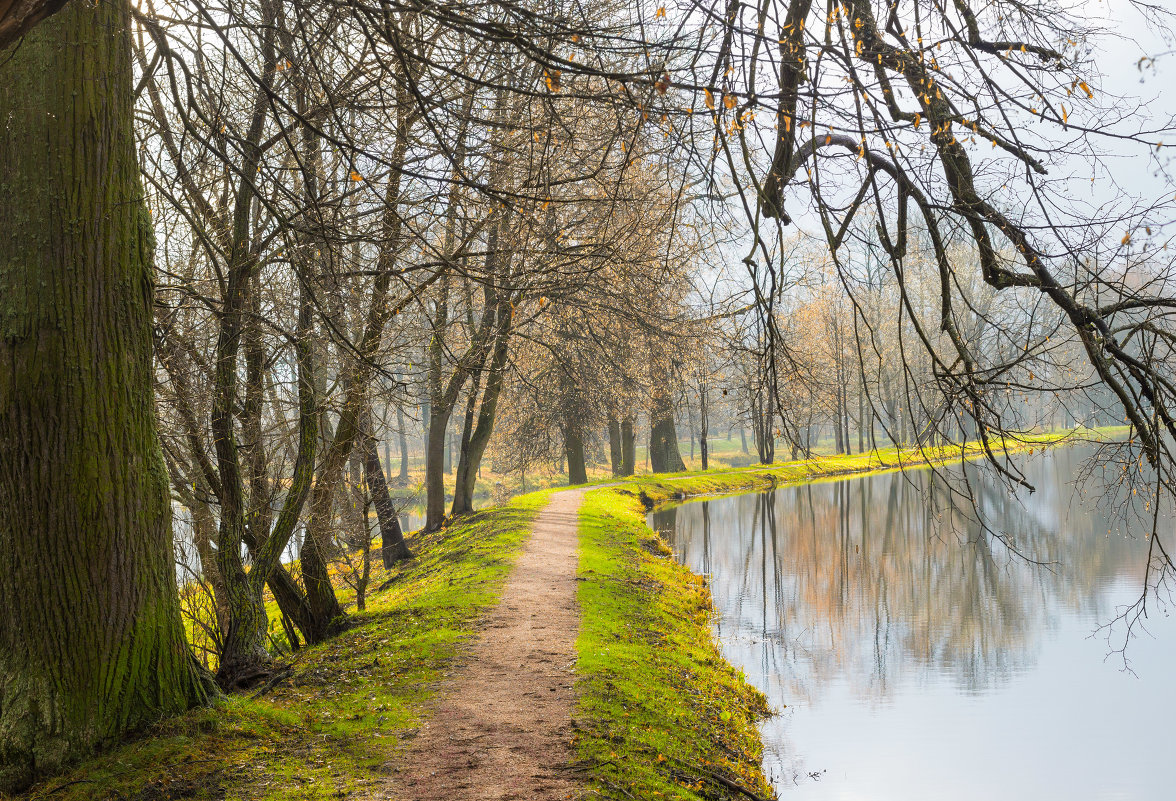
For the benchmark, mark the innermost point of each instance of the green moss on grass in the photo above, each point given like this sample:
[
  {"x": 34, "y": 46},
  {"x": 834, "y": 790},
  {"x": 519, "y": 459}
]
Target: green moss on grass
[
  {"x": 660, "y": 714},
  {"x": 331, "y": 729}
]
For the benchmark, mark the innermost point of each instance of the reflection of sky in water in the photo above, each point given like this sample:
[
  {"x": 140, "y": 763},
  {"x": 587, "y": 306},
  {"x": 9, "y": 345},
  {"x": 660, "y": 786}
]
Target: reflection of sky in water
[{"x": 919, "y": 660}]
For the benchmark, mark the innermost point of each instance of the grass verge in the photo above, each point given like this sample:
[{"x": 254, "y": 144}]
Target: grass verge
[
  {"x": 660, "y": 713},
  {"x": 664, "y": 487},
  {"x": 330, "y": 729}
]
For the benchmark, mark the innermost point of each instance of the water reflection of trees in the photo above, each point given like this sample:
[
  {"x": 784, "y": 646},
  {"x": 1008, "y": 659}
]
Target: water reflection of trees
[{"x": 885, "y": 579}]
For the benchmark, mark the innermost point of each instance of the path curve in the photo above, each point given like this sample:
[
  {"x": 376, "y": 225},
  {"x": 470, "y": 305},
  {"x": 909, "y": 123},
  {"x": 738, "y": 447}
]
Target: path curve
[{"x": 501, "y": 727}]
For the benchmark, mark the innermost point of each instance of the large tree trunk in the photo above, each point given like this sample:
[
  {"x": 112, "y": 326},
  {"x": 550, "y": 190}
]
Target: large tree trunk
[
  {"x": 434, "y": 472},
  {"x": 663, "y": 437},
  {"x": 244, "y": 659},
  {"x": 628, "y": 446},
  {"x": 91, "y": 641},
  {"x": 615, "y": 452},
  {"x": 574, "y": 450}
]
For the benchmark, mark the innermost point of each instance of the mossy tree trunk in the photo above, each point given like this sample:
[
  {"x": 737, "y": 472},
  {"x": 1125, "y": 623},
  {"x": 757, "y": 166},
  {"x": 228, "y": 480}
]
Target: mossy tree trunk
[{"x": 91, "y": 641}]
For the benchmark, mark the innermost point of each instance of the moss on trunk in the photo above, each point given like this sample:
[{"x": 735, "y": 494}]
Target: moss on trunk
[{"x": 91, "y": 642}]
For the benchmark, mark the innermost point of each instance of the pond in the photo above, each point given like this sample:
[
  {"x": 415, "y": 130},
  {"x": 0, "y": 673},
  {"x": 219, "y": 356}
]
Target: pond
[{"x": 910, "y": 657}]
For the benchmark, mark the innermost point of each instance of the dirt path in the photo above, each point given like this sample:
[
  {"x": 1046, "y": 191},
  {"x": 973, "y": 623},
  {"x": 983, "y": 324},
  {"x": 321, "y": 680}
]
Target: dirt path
[{"x": 501, "y": 727}]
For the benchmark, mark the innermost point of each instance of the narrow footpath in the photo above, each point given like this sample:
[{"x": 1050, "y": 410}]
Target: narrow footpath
[{"x": 501, "y": 724}]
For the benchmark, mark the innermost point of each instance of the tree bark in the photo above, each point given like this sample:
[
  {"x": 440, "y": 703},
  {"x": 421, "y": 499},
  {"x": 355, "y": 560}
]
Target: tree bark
[
  {"x": 615, "y": 451},
  {"x": 434, "y": 467},
  {"x": 574, "y": 450},
  {"x": 18, "y": 17},
  {"x": 474, "y": 442},
  {"x": 393, "y": 548},
  {"x": 91, "y": 640},
  {"x": 663, "y": 437},
  {"x": 628, "y": 446},
  {"x": 402, "y": 479}
]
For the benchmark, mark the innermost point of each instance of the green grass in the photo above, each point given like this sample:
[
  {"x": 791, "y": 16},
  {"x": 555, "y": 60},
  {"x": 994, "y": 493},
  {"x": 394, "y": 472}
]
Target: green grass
[
  {"x": 332, "y": 729},
  {"x": 660, "y": 713}
]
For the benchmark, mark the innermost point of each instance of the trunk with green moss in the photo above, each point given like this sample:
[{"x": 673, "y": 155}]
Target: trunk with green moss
[{"x": 91, "y": 641}]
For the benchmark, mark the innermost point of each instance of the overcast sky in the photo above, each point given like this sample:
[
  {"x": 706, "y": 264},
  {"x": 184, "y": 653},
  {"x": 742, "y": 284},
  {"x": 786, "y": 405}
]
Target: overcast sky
[{"x": 1154, "y": 85}]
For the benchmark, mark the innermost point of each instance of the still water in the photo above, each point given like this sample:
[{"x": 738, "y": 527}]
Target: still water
[{"x": 910, "y": 657}]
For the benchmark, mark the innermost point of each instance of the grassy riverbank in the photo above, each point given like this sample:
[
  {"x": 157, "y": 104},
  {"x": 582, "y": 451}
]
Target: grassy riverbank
[
  {"x": 330, "y": 728},
  {"x": 661, "y": 714},
  {"x": 664, "y": 487}
]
